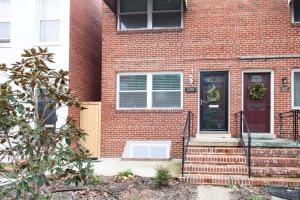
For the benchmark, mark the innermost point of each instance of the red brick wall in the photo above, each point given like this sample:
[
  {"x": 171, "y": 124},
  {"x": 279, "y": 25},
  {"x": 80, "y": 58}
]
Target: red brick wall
[
  {"x": 215, "y": 35},
  {"x": 85, "y": 50}
]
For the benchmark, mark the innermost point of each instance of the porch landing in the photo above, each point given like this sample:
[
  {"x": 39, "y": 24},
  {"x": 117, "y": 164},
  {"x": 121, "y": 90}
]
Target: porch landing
[{"x": 258, "y": 140}]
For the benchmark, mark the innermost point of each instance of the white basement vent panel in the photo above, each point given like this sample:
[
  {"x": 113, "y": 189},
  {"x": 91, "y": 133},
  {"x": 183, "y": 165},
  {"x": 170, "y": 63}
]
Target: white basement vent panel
[{"x": 147, "y": 150}]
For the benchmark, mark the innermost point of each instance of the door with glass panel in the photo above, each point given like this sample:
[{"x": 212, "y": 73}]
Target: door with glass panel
[{"x": 213, "y": 101}]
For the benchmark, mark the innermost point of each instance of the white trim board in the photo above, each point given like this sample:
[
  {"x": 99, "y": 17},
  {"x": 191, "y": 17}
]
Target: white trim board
[
  {"x": 272, "y": 94},
  {"x": 293, "y": 88}
]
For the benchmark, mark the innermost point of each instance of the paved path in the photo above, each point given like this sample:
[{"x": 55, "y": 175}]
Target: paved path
[
  {"x": 213, "y": 193},
  {"x": 112, "y": 166}
]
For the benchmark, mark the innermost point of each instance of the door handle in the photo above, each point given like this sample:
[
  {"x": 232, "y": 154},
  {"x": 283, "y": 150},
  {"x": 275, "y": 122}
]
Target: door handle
[{"x": 201, "y": 102}]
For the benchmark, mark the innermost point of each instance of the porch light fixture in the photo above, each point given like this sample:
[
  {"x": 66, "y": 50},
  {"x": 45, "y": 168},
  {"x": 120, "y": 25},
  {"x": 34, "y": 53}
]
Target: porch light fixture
[{"x": 284, "y": 84}]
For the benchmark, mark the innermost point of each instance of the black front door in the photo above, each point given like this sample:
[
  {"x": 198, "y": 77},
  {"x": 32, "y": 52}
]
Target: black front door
[{"x": 214, "y": 101}]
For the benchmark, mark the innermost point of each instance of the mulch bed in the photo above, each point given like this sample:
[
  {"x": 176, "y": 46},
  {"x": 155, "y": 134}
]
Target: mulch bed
[
  {"x": 248, "y": 193},
  {"x": 284, "y": 192},
  {"x": 135, "y": 188}
]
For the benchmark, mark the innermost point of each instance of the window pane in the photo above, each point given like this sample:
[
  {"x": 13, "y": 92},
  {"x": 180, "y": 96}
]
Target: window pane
[
  {"x": 133, "y": 100},
  {"x": 138, "y": 21},
  {"x": 50, "y": 31},
  {"x": 49, "y": 9},
  {"x": 166, "y": 5},
  {"x": 166, "y": 82},
  {"x": 4, "y": 10},
  {"x": 135, "y": 82},
  {"x": 166, "y": 100},
  {"x": 133, "y": 6},
  {"x": 4, "y": 32},
  {"x": 297, "y": 89},
  {"x": 166, "y": 20},
  {"x": 297, "y": 11}
]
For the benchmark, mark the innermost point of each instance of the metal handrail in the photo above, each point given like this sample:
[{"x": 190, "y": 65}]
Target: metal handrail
[
  {"x": 186, "y": 135},
  {"x": 294, "y": 114},
  {"x": 247, "y": 149}
]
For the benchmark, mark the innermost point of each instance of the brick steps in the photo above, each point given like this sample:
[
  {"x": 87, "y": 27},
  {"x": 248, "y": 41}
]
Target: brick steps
[
  {"x": 257, "y": 152},
  {"x": 227, "y": 165},
  {"x": 239, "y": 180},
  {"x": 287, "y": 172}
]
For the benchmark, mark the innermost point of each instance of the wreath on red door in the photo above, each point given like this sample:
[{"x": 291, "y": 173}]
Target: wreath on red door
[{"x": 257, "y": 91}]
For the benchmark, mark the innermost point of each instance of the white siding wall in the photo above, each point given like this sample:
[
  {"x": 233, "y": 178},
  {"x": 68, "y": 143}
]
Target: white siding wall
[{"x": 25, "y": 34}]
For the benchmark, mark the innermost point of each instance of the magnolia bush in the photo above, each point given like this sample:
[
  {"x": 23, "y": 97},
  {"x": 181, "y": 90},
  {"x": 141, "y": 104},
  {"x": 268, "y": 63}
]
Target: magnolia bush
[{"x": 33, "y": 158}]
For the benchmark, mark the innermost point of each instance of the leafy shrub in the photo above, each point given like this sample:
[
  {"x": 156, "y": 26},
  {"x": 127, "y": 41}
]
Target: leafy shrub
[
  {"x": 256, "y": 197},
  {"x": 39, "y": 156},
  {"x": 162, "y": 177},
  {"x": 124, "y": 175}
]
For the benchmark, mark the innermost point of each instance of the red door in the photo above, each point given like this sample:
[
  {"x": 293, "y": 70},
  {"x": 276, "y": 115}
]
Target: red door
[{"x": 257, "y": 101}]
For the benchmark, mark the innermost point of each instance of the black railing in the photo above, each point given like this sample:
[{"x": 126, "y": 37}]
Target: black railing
[
  {"x": 244, "y": 128},
  {"x": 293, "y": 115},
  {"x": 186, "y": 136}
]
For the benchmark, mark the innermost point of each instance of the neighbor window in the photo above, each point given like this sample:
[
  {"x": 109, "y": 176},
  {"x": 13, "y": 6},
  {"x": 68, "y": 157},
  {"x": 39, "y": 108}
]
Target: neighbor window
[
  {"x": 5, "y": 11},
  {"x": 49, "y": 20},
  {"x": 296, "y": 89},
  {"x": 152, "y": 90},
  {"x": 150, "y": 14},
  {"x": 296, "y": 11}
]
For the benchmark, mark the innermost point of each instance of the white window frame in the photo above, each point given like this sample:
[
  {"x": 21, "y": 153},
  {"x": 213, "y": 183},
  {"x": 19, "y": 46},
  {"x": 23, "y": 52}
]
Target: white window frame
[
  {"x": 150, "y": 91},
  {"x": 293, "y": 89},
  {"x": 293, "y": 13},
  {"x": 8, "y": 20},
  {"x": 149, "y": 13},
  {"x": 39, "y": 20}
]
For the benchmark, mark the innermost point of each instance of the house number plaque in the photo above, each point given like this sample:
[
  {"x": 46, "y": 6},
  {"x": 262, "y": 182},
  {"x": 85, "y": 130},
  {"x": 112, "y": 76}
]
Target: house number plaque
[{"x": 190, "y": 89}]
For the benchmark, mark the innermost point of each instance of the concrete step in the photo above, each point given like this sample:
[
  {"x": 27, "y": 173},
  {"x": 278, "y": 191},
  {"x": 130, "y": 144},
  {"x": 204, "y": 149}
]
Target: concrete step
[
  {"x": 255, "y": 152},
  {"x": 224, "y": 180},
  {"x": 287, "y": 172}
]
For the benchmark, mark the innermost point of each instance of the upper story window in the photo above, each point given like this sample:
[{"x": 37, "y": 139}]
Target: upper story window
[
  {"x": 150, "y": 14},
  {"x": 49, "y": 20},
  {"x": 5, "y": 11},
  {"x": 296, "y": 11}
]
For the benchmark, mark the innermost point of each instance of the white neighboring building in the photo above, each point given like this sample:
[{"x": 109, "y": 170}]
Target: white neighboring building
[{"x": 28, "y": 23}]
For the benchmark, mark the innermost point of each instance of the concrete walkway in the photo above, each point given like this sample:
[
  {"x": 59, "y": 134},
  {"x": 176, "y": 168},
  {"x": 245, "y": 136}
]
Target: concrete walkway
[
  {"x": 206, "y": 192},
  {"x": 112, "y": 166}
]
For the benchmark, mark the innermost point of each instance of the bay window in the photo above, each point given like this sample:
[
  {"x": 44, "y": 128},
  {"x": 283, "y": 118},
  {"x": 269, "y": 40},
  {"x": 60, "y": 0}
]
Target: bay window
[
  {"x": 49, "y": 20},
  {"x": 149, "y": 14},
  {"x": 149, "y": 91},
  {"x": 5, "y": 24},
  {"x": 296, "y": 89}
]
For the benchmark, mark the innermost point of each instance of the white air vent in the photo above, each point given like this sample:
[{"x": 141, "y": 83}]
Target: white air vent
[{"x": 147, "y": 150}]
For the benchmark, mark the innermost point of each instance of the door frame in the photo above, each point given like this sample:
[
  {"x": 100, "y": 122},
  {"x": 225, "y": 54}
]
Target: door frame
[
  {"x": 271, "y": 95},
  {"x": 227, "y": 73}
]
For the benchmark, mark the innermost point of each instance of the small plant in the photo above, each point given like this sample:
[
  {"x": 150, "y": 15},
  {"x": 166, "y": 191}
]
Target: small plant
[
  {"x": 231, "y": 186},
  {"x": 124, "y": 175},
  {"x": 256, "y": 197},
  {"x": 94, "y": 181},
  {"x": 162, "y": 177}
]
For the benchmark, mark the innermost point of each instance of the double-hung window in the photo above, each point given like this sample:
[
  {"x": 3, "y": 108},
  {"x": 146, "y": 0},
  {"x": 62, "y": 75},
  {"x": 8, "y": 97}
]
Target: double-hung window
[
  {"x": 296, "y": 89},
  {"x": 5, "y": 12},
  {"x": 49, "y": 20},
  {"x": 149, "y": 91},
  {"x": 149, "y": 14}
]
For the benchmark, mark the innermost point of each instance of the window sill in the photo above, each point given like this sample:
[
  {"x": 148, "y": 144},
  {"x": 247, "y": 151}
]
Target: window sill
[
  {"x": 46, "y": 44},
  {"x": 172, "y": 110},
  {"x": 159, "y": 30},
  {"x": 5, "y": 45},
  {"x": 296, "y": 24}
]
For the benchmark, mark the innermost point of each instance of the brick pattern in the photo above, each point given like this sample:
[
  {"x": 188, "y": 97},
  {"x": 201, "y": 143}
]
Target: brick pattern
[
  {"x": 227, "y": 165},
  {"x": 215, "y": 35},
  {"x": 85, "y": 50}
]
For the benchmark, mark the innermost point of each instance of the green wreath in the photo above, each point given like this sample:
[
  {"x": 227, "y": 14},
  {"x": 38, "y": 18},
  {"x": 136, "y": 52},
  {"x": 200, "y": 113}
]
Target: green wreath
[
  {"x": 213, "y": 95},
  {"x": 257, "y": 91}
]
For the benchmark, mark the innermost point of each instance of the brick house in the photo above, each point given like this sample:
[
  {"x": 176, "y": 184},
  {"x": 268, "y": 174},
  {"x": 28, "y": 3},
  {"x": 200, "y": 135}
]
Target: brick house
[{"x": 162, "y": 59}]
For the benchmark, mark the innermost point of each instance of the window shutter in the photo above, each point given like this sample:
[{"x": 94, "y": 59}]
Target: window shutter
[{"x": 166, "y": 91}]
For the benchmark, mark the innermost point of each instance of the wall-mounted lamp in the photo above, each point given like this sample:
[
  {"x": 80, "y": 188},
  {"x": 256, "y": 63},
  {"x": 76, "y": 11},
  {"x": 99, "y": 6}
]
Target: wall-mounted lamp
[
  {"x": 284, "y": 84},
  {"x": 191, "y": 79}
]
